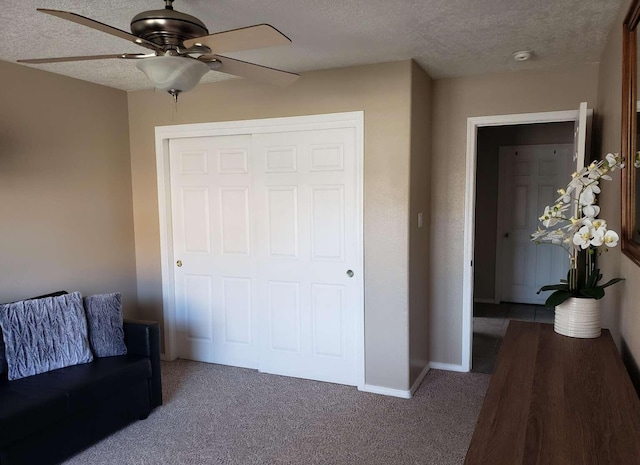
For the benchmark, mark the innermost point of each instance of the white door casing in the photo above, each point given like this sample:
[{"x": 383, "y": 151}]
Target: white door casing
[
  {"x": 326, "y": 193},
  {"x": 529, "y": 178},
  {"x": 473, "y": 123}
]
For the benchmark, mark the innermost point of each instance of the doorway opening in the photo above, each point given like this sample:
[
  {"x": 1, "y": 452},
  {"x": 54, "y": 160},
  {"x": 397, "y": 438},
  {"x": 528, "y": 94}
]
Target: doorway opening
[
  {"x": 578, "y": 122},
  {"x": 519, "y": 169}
]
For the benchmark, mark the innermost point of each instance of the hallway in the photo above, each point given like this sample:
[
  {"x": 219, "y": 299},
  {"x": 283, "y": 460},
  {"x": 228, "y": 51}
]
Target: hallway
[{"x": 490, "y": 323}]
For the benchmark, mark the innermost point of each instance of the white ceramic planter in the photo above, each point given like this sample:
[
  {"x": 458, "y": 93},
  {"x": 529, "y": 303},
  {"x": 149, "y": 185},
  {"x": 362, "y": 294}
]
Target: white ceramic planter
[{"x": 577, "y": 317}]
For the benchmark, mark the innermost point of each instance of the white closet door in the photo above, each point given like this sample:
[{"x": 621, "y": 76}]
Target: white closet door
[
  {"x": 307, "y": 253},
  {"x": 215, "y": 280},
  {"x": 266, "y": 229}
]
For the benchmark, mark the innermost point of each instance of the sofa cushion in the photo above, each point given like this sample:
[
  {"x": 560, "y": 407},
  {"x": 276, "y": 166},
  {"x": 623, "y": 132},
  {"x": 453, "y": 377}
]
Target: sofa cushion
[
  {"x": 104, "y": 317},
  {"x": 44, "y": 334},
  {"x": 26, "y": 409},
  {"x": 4, "y": 368},
  {"x": 85, "y": 385}
]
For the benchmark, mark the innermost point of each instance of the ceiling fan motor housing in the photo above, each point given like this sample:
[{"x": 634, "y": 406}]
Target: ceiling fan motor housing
[{"x": 167, "y": 27}]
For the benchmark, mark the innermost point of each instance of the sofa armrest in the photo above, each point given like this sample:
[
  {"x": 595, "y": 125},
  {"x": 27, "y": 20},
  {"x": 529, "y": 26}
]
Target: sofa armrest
[{"x": 143, "y": 338}]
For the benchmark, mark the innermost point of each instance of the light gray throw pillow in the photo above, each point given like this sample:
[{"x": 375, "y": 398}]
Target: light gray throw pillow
[
  {"x": 104, "y": 315},
  {"x": 45, "y": 334}
]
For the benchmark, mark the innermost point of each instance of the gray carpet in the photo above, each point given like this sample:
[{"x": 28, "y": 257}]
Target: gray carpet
[{"x": 214, "y": 414}]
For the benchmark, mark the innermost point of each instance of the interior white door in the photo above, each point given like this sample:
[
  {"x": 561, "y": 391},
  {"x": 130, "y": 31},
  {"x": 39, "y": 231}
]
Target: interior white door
[
  {"x": 529, "y": 179},
  {"x": 215, "y": 272},
  {"x": 307, "y": 250},
  {"x": 266, "y": 230}
]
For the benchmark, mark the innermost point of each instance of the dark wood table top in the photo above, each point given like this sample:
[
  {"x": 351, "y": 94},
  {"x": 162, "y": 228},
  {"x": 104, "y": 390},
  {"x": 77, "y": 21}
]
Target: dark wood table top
[{"x": 557, "y": 400}]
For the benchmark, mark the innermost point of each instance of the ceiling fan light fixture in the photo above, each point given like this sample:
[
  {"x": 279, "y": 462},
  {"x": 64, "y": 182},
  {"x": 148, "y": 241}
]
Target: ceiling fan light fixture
[{"x": 171, "y": 73}]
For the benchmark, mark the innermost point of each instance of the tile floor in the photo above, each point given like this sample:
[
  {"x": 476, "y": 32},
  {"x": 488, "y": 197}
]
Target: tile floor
[{"x": 490, "y": 323}]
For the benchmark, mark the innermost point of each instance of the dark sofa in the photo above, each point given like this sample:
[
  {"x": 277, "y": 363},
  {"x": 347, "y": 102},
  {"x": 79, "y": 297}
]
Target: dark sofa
[{"x": 48, "y": 417}]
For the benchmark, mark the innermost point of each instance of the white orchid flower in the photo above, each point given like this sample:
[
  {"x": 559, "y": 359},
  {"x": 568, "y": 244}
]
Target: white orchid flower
[
  {"x": 597, "y": 236},
  {"x": 539, "y": 235},
  {"x": 565, "y": 196},
  {"x": 584, "y": 230},
  {"x": 549, "y": 221},
  {"x": 614, "y": 160},
  {"x": 583, "y": 237},
  {"x": 591, "y": 211},
  {"x": 587, "y": 197},
  {"x": 554, "y": 214},
  {"x": 611, "y": 238}
]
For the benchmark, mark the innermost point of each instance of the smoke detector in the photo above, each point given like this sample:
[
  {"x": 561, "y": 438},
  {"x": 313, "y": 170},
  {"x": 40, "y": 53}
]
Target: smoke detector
[{"x": 522, "y": 55}]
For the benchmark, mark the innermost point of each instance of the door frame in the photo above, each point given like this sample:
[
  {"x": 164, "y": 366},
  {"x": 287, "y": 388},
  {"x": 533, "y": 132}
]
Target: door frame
[
  {"x": 473, "y": 123},
  {"x": 163, "y": 134}
]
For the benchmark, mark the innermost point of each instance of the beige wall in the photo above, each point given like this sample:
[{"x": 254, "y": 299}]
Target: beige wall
[
  {"x": 383, "y": 92},
  {"x": 621, "y": 309},
  {"x": 454, "y": 100},
  {"x": 490, "y": 139},
  {"x": 65, "y": 187},
  {"x": 419, "y": 238}
]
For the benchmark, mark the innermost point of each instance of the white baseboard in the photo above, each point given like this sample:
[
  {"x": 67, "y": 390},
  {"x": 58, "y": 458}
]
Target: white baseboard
[
  {"x": 481, "y": 300},
  {"x": 403, "y": 394},
  {"x": 447, "y": 367},
  {"x": 419, "y": 379}
]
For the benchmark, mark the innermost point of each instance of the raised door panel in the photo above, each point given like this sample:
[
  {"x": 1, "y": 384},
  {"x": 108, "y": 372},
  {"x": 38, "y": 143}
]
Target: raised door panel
[
  {"x": 282, "y": 220},
  {"x": 235, "y": 221},
  {"x": 284, "y": 316},
  {"x": 327, "y": 307},
  {"x": 327, "y": 223},
  {"x": 195, "y": 223}
]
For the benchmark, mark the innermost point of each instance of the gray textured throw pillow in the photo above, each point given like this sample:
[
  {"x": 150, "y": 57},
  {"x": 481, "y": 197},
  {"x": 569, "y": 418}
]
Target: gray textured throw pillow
[
  {"x": 45, "y": 334},
  {"x": 104, "y": 315}
]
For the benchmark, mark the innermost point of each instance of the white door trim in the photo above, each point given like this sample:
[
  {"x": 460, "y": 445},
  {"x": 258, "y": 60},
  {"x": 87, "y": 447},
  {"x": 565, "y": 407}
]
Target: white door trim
[
  {"x": 473, "y": 123},
  {"x": 163, "y": 134}
]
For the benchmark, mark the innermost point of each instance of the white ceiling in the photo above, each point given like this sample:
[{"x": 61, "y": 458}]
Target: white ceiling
[{"x": 448, "y": 38}]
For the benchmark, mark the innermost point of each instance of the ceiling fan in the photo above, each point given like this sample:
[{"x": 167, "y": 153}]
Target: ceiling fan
[{"x": 182, "y": 49}]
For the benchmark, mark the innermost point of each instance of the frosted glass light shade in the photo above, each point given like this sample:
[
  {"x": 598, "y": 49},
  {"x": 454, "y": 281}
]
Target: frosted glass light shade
[{"x": 173, "y": 73}]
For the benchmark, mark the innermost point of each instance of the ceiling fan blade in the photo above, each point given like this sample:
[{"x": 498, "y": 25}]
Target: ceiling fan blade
[
  {"x": 86, "y": 57},
  {"x": 252, "y": 71},
  {"x": 75, "y": 18},
  {"x": 246, "y": 38}
]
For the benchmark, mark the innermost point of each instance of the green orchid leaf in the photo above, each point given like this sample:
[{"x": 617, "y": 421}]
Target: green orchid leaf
[
  {"x": 593, "y": 293},
  {"x": 557, "y": 298},
  {"x": 612, "y": 282},
  {"x": 554, "y": 287},
  {"x": 593, "y": 278}
]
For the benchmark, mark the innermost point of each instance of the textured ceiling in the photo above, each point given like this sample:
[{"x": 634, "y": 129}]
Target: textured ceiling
[{"x": 447, "y": 37}]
